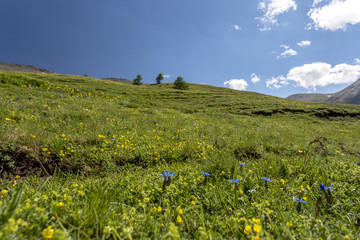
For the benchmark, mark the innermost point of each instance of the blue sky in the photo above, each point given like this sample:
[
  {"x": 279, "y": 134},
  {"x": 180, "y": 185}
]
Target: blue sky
[{"x": 275, "y": 47}]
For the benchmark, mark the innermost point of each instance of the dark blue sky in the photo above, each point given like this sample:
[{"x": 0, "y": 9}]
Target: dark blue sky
[{"x": 205, "y": 41}]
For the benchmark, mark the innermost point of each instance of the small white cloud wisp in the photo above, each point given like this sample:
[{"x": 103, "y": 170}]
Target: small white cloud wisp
[
  {"x": 236, "y": 27},
  {"x": 304, "y": 43},
  {"x": 272, "y": 9},
  {"x": 237, "y": 84},
  {"x": 288, "y": 52},
  {"x": 254, "y": 78}
]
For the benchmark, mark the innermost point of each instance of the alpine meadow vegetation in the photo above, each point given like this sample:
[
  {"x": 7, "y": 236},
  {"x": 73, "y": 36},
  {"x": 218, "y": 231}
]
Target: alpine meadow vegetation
[{"x": 84, "y": 158}]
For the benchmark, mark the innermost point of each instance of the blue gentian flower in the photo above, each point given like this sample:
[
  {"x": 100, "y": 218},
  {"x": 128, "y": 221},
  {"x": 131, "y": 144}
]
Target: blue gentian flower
[
  {"x": 167, "y": 174},
  {"x": 300, "y": 200},
  {"x": 206, "y": 174},
  {"x": 358, "y": 163},
  {"x": 322, "y": 187},
  {"x": 266, "y": 179},
  {"x": 241, "y": 164},
  {"x": 235, "y": 181},
  {"x": 113, "y": 139}
]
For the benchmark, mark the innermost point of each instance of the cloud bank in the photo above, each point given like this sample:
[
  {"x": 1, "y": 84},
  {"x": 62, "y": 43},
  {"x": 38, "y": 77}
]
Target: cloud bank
[
  {"x": 336, "y": 15},
  {"x": 237, "y": 84},
  {"x": 317, "y": 74},
  {"x": 273, "y": 8}
]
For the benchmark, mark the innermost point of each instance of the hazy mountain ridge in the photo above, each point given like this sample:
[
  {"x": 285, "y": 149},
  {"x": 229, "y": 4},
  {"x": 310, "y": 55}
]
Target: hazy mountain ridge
[
  {"x": 22, "y": 68},
  {"x": 349, "y": 95}
]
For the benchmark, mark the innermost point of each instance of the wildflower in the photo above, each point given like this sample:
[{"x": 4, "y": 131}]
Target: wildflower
[
  {"x": 266, "y": 181},
  {"x": 179, "y": 219},
  {"x": 290, "y": 224},
  {"x": 252, "y": 191},
  {"x": 322, "y": 187},
  {"x": 257, "y": 229},
  {"x": 179, "y": 210},
  {"x": 44, "y": 149},
  {"x": 300, "y": 151},
  {"x": 302, "y": 188},
  {"x": 158, "y": 209},
  {"x": 282, "y": 181},
  {"x": 308, "y": 187},
  {"x": 257, "y": 238},
  {"x": 60, "y": 205},
  {"x": 241, "y": 164},
  {"x": 305, "y": 198},
  {"x": 48, "y": 233},
  {"x": 167, "y": 178},
  {"x": 235, "y": 181},
  {"x": 193, "y": 202},
  {"x": 247, "y": 230},
  {"x": 206, "y": 174},
  {"x": 222, "y": 172},
  {"x": 358, "y": 163},
  {"x": 17, "y": 176},
  {"x": 241, "y": 192},
  {"x": 250, "y": 171},
  {"x": 298, "y": 208},
  {"x": 3, "y": 192},
  {"x": 256, "y": 220}
]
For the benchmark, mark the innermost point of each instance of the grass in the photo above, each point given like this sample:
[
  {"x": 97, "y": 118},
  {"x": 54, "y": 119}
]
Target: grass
[{"x": 89, "y": 153}]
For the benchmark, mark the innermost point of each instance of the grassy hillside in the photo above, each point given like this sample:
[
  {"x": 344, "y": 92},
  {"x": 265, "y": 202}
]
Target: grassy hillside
[{"x": 105, "y": 143}]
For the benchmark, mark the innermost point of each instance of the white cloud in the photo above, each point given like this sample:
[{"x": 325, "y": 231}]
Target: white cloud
[
  {"x": 336, "y": 15},
  {"x": 254, "y": 78},
  {"x": 237, "y": 84},
  {"x": 304, "y": 43},
  {"x": 316, "y": 2},
  {"x": 273, "y": 8},
  {"x": 166, "y": 76},
  {"x": 236, "y": 27},
  {"x": 288, "y": 52},
  {"x": 317, "y": 74},
  {"x": 357, "y": 61}
]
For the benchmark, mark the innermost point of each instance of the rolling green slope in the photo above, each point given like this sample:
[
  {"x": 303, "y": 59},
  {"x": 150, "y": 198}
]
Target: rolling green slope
[{"x": 89, "y": 153}]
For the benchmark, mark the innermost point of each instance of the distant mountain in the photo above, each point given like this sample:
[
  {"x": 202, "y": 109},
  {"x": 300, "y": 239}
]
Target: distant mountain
[
  {"x": 21, "y": 68},
  {"x": 310, "y": 97},
  {"x": 349, "y": 95}
]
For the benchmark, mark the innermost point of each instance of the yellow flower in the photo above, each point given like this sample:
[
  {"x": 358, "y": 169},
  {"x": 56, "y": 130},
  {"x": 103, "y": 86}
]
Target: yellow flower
[
  {"x": 8, "y": 119},
  {"x": 222, "y": 172},
  {"x": 3, "y": 192},
  {"x": 290, "y": 224},
  {"x": 300, "y": 151},
  {"x": 256, "y": 220},
  {"x": 308, "y": 187},
  {"x": 179, "y": 219},
  {"x": 282, "y": 181},
  {"x": 158, "y": 209},
  {"x": 17, "y": 176},
  {"x": 256, "y": 238},
  {"x": 44, "y": 149},
  {"x": 179, "y": 210},
  {"x": 247, "y": 230},
  {"x": 250, "y": 171},
  {"x": 193, "y": 202},
  {"x": 48, "y": 233},
  {"x": 302, "y": 188},
  {"x": 241, "y": 191},
  {"x": 60, "y": 204},
  {"x": 305, "y": 198},
  {"x": 257, "y": 229}
]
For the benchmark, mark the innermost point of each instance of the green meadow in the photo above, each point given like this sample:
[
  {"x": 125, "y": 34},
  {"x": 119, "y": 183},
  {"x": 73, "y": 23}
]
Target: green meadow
[{"x": 81, "y": 158}]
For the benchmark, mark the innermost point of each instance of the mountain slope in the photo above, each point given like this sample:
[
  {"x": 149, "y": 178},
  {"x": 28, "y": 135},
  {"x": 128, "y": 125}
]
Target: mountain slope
[
  {"x": 349, "y": 95},
  {"x": 21, "y": 68}
]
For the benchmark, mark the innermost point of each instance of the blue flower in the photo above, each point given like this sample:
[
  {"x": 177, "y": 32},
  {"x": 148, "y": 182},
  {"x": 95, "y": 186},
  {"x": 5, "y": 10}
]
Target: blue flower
[
  {"x": 300, "y": 200},
  {"x": 236, "y": 180},
  {"x": 113, "y": 139},
  {"x": 206, "y": 174},
  {"x": 167, "y": 174},
  {"x": 241, "y": 164},
  {"x": 322, "y": 187},
  {"x": 266, "y": 179},
  {"x": 358, "y": 163}
]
